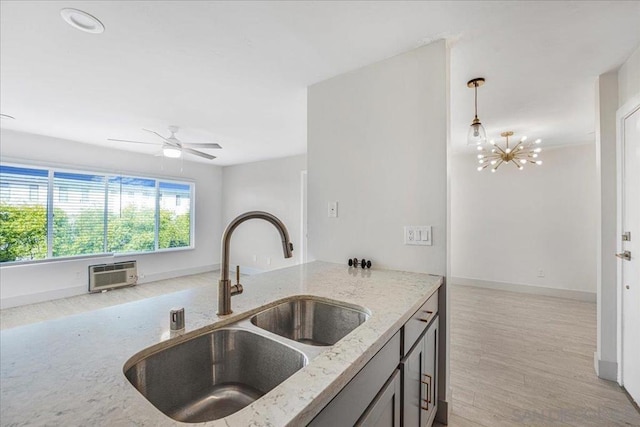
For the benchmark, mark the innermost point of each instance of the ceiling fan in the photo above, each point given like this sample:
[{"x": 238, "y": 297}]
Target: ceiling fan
[{"x": 173, "y": 147}]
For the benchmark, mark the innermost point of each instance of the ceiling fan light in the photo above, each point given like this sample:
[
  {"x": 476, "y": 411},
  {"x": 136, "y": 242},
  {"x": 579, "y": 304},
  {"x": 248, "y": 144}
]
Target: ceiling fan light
[{"x": 172, "y": 152}]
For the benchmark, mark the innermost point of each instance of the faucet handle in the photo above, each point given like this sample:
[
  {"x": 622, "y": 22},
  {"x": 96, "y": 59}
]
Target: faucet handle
[{"x": 237, "y": 288}]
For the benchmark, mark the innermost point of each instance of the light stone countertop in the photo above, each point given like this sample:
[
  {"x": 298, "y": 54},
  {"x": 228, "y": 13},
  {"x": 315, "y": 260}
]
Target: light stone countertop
[{"x": 69, "y": 371}]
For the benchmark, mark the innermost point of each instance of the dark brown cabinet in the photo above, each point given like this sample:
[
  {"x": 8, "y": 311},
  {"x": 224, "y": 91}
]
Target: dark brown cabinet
[
  {"x": 399, "y": 385},
  {"x": 419, "y": 374},
  {"x": 385, "y": 410}
]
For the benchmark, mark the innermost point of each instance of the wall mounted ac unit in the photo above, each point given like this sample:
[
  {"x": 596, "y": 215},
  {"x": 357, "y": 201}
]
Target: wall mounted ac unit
[{"x": 110, "y": 276}]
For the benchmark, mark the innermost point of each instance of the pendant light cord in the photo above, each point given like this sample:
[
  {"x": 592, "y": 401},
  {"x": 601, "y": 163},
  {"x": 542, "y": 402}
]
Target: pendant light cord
[{"x": 475, "y": 90}]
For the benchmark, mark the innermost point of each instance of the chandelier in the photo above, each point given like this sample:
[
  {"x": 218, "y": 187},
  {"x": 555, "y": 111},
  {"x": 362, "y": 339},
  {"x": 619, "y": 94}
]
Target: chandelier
[{"x": 521, "y": 154}]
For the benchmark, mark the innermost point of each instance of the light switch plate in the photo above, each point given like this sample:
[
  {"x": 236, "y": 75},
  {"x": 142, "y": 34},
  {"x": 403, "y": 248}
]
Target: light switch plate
[{"x": 418, "y": 235}]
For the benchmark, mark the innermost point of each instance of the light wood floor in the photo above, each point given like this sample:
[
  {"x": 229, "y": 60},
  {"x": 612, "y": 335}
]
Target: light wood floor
[
  {"x": 516, "y": 359},
  {"x": 519, "y": 359}
]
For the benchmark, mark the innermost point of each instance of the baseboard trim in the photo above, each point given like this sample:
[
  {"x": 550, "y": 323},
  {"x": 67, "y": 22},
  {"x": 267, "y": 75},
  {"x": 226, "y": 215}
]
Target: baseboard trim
[
  {"x": 42, "y": 296},
  {"x": 443, "y": 412},
  {"x": 72, "y": 291},
  {"x": 178, "y": 273},
  {"x": 605, "y": 369},
  {"x": 526, "y": 289},
  {"x": 250, "y": 271}
]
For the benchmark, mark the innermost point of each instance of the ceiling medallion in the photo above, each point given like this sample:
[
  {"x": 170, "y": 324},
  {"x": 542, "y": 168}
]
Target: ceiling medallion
[{"x": 521, "y": 154}]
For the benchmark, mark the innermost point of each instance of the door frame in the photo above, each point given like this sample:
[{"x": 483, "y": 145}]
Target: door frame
[
  {"x": 303, "y": 217},
  {"x": 623, "y": 113}
]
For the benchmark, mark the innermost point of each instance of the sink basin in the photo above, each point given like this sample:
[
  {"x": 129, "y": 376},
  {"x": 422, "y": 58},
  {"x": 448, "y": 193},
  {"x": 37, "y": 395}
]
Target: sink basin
[
  {"x": 310, "y": 321},
  {"x": 214, "y": 375}
]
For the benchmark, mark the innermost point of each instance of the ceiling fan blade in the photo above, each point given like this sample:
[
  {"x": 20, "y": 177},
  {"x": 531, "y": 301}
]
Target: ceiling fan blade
[
  {"x": 135, "y": 142},
  {"x": 198, "y": 153},
  {"x": 168, "y": 141},
  {"x": 202, "y": 145}
]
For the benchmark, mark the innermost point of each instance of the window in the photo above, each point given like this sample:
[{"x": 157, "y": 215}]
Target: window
[
  {"x": 175, "y": 220},
  {"x": 48, "y": 213},
  {"x": 78, "y": 227},
  {"x": 33, "y": 192},
  {"x": 132, "y": 215},
  {"x": 23, "y": 219}
]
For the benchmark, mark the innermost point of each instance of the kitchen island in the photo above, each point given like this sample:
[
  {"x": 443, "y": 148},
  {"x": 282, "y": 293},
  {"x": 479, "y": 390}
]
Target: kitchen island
[{"x": 69, "y": 371}]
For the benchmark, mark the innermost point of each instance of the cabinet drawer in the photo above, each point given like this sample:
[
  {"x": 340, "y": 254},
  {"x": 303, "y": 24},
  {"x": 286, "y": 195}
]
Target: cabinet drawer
[{"x": 419, "y": 322}]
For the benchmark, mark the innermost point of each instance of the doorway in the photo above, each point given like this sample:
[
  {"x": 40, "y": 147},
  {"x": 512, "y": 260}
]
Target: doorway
[{"x": 628, "y": 248}]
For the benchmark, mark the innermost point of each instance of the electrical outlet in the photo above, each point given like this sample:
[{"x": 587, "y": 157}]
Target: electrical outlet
[
  {"x": 419, "y": 235},
  {"x": 540, "y": 272},
  {"x": 268, "y": 260},
  {"x": 255, "y": 258},
  {"x": 332, "y": 209}
]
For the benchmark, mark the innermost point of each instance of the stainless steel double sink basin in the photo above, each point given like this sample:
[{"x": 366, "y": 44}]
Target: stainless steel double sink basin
[{"x": 213, "y": 374}]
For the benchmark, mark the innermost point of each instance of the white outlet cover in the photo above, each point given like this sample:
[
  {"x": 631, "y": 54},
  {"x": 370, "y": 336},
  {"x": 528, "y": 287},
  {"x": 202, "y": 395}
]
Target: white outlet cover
[
  {"x": 418, "y": 235},
  {"x": 332, "y": 209}
]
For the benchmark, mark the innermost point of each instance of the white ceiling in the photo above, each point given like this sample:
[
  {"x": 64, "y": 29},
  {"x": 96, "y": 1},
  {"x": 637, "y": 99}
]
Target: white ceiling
[{"x": 236, "y": 72}]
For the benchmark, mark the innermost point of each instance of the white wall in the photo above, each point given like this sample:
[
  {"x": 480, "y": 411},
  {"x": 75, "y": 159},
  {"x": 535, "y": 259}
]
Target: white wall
[
  {"x": 23, "y": 284},
  {"x": 377, "y": 141},
  {"x": 508, "y": 225},
  {"x": 273, "y": 186},
  {"x": 629, "y": 78}
]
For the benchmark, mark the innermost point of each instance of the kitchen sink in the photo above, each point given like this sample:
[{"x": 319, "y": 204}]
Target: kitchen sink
[
  {"x": 213, "y": 375},
  {"x": 310, "y": 321}
]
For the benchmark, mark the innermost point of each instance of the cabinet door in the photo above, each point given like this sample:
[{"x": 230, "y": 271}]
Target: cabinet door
[
  {"x": 419, "y": 369},
  {"x": 384, "y": 411},
  {"x": 430, "y": 374},
  {"x": 351, "y": 403},
  {"x": 413, "y": 390}
]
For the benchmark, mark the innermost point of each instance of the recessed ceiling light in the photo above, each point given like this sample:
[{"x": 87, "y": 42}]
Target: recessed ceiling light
[
  {"x": 82, "y": 21},
  {"x": 6, "y": 116}
]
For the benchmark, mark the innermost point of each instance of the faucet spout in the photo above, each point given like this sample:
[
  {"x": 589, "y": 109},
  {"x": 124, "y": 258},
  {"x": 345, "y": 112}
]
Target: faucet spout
[{"x": 225, "y": 290}]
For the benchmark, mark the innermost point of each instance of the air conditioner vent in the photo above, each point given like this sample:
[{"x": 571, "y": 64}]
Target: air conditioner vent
[{"x": 110, "y": 276}]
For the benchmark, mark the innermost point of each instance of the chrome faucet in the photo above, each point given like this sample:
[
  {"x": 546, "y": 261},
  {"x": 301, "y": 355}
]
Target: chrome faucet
[{"x": 225, "y": 290}]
